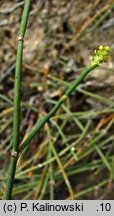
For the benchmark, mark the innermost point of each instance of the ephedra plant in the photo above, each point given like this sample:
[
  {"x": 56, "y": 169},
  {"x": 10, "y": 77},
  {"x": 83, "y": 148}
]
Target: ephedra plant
[{"x": 101, "y": 55}]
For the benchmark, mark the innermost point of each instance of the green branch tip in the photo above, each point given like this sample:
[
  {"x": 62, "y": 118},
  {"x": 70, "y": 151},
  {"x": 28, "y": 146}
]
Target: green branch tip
[{"x": 101, "y": 55}]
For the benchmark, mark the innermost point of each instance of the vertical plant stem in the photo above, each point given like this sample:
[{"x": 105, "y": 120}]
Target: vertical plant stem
[
  {"x": 51, "y": 177},
  {"x": 17, "y": 90},
  {"x": 67, "y": 182}
]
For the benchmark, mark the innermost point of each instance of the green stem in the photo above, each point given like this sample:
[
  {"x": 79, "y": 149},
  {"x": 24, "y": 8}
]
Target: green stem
[
  {"x": 56, "y": 107},
  {"x": 17, "y": 90}
]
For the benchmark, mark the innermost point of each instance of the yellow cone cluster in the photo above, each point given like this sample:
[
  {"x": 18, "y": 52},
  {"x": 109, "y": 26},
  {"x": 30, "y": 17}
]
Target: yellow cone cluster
[{"x": 101, "y": 55}]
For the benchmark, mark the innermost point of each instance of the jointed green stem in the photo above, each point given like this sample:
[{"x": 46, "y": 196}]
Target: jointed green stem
[
  {"x": 17, "y": 90},
  {"x": 56, "y": 107}
]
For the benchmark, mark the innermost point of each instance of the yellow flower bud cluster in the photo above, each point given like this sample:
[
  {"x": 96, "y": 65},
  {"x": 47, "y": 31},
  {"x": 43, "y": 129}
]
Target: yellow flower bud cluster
[{"x": 101, "y": 55}]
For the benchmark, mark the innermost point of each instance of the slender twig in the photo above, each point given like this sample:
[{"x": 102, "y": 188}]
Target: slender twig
[
  {"x": 10, "y": 10},
  {"x": 17, "y": 90}
]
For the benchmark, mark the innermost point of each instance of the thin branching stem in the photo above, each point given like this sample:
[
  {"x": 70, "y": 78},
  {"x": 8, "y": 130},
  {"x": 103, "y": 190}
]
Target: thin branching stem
[
  {"x": 101, "y": 55},
  {"x": 56, "y": 107}
]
